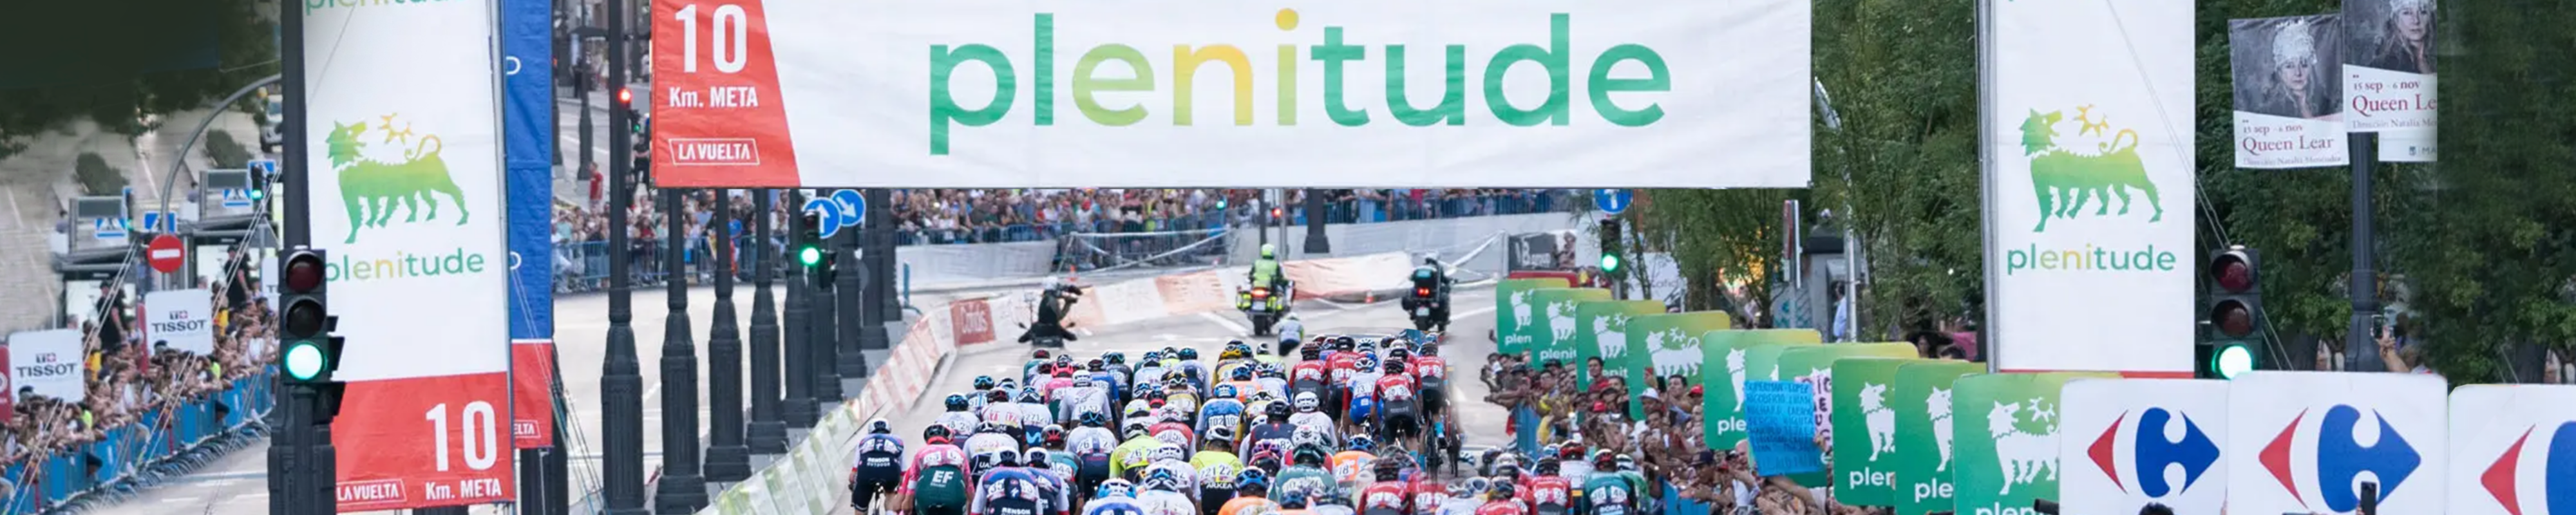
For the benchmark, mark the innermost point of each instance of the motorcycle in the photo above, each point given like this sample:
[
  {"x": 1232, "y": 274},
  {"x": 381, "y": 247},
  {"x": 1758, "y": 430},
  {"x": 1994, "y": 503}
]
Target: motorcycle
[
  {"x": 1428, "y": 306},
  {"x": 1052, "y": 340},
  {"x": 1263, "y": 305}
]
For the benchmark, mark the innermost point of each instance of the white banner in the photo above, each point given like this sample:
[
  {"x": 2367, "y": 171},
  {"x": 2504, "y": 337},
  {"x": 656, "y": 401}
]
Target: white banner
[
  {"x": 2516, "y": 450},
  {"x": 403, "y": 134},
  {"x": 2289, "y": 106},
  {"x": 2303, "y": 442},
  {"x": 2089, "y": 184},
  {"x": 2388, "y": 65},
  {"x": 183, "y": 319},
  {"x": 47, "y": 363},
  {"x": 1163, "y": 93},
  {"x": 2128, "y": 443}
]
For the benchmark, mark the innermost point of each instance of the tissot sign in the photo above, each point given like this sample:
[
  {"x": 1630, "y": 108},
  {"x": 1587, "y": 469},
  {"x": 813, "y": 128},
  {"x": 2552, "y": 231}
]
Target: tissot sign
[{"x": 1019, "y": 93}]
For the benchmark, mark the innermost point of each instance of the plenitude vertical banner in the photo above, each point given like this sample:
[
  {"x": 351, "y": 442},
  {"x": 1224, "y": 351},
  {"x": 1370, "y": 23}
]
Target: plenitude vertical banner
[
  {"x": 1516, "y": 318},
  {"x": 2289, "y": 106},
  {"x": 1181, "y": 93},
  {"x": 182, "y": 319},
  {"x": 1559, "y": 329},
  {"x": 1602, "y": 331},
  {"x": 2089, "y": 185},
  {"x": 406, "y": 153}
]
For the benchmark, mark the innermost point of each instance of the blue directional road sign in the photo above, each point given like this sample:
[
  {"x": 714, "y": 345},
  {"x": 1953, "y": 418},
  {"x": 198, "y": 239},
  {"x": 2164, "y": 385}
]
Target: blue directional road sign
[
  {"x": 841, "y": 209},
  {"x": 263, "y": 168},
  {"x": 1612, "y": 200}
]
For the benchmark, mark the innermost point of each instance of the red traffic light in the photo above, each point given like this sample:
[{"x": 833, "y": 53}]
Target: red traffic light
[
  {"x": 625, "y": 96},
  {"x": 304, "y": 272},
  {"x": 2232, "y": 318},
  {"x": 2232, "y": 271}
]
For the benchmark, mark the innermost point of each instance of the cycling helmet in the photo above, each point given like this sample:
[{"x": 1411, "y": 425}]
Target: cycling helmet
[
  {"x": 988, "y": 460},
  {"x": 1053, "y": 435},
  {"x": 1306, "y": 401},
  {"x": 1115, "y": 487},
  {"x": 1475, "y": 485},
  {"x": 1368, "y": 362},
  {"x": 1152, "y": 357},
  {"x": 1311, "y": 352},
  {"x": 880, "y": 426},
  {"x": 934, "y": 432},
  {"x": 1251, "y": 481},
  {"x": 1115, "y": 358},
  {"x": 1388, "y": 468},
  {"x": 1096, "y": 365},
  {"x": 1220, "y": 434},
  {"x": 1398, "y": 353},
  {"x": 1094, "y": 419},
  {"x": 1309, "y": 456},
  {"x": 1039, "y": 354},
  {"x": 1139, "y": 408},
  {"x": 1292, "y": 499},
  {"x": 1602, "y": 461},
  {"x": 1572, "y": 450},
  {"x": 983, "y": 382},
  {"x": 1134, "y": 430},
  {"x": 1006, "y": 458},
  {"x": 1549, "y": 451},
  {"x": 1502, "y": 490},
  {"x": 1363, "y": 443},
  {"x": 1626, "y": 463},
  {"x": 1270, "y": 370},
  {"x": 1393, "y": 366},
  {"x": 1167, "y": 452},
  {"x": 997, "y": 395},
  {"x": 1063, "y": 360},
  {"x": 988, "y": 427},
  {"x": 1035, "y": 457},
  {"x": 1549, "y": 466},
  {"x": 1264, "y": 396},
  {"x": 1276, "y": 410},
  {"x": 1344, "y": 343},
  {"x": 1431, "y": 349},
  {"x": 1008, "y": 384},
  {"x": 1159, "y": 478},
  {"x": 1082, "y": 381},
  {"x": 956, "y": 402},
  {"x": 1240, "y": 374},
  {"x": 1030, "y": 395},
  {"x": 1223, "y": 390},
  {"x": 1189, "y": 354},
  {"x": 1046, "y": 369}
]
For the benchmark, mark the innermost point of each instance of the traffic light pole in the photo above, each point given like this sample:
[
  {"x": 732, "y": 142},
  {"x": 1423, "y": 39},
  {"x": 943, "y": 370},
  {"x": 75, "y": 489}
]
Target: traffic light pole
[
  {"x": 301, "y": 462},
  {"x": 2361, "y": 352}
]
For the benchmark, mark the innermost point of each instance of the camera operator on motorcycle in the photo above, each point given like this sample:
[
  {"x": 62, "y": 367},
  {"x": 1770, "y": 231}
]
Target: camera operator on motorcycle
[
  {"x": 1053, "y": 302},
  {"x": 1428, "y": 304}
]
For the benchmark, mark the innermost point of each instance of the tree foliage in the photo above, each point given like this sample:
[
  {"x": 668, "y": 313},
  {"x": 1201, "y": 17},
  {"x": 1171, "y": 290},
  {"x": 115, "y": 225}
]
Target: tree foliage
[{"x": 115, "y": 97}]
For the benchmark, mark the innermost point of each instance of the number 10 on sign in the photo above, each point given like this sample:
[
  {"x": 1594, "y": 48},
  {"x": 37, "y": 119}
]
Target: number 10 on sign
[{"x": 482, "y": 435}]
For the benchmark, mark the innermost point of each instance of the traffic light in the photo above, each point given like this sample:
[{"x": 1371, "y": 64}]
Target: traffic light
[
  {"x": 311, "y": 353},
  {"x": 258, "y": 186},
  {"x": 626, "y": 102},
  {"x": 2235, "y": 308},
  {"x": 812, "y": 252},
  {"x": 1611, "y": 257}
]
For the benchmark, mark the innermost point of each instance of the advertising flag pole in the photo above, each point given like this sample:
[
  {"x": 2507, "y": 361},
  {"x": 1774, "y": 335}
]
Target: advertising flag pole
[{"x": 1986, "y": 181}]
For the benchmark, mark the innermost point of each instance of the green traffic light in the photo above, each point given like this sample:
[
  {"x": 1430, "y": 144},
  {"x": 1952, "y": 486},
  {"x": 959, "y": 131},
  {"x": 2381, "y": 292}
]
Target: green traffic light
[
  {"x": 809, "y": 255},
  {"x": 1609, "y": 262},
  {"x": 304, "y": 360},
  {"x": 2232, "y": 360}
]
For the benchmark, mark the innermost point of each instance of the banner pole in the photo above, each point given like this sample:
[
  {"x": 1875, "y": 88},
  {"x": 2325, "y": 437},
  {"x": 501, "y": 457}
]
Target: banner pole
[
  {"x": 1986, "y": 183},
  {"x": 2361, "y": 351}
]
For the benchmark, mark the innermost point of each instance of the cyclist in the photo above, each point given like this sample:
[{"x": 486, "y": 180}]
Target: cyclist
[
  {"x": 1251, "y": 497},
  {"x": 989, "y": 438},
  {"x": 1500, "y": 501},
  {"x": 1113, "y": 497},
  {"x": 1036, "y": 358},
  {"x": 1310, "y": 416},
  {"x": 1190, "y": 367},
  {"x": 1351, "y": 466},
  {"x": 1291, "y": 331},
  {"x": 936, "y": 481},
  {"x": 1222, "y": 411},
  {"x": 975, "y": 403},
  {"x": 1395, "y": 391},
  {"x": 1004, "y": 488},
  {"x": 1084, "y": 395},
  {"x": 1160, "y": 494},
  {"x": 1462, "y": 498},
  {"x": 1216, "y": 467},
  {"x": 1608, "y": 492},
  {"x": 957, "y": 419},
  {"x": 1034, "y": 414},
  {"x": 1551, "y": 494},
  {"x": 877, "y": 467},
  {"x": 1389, "y": 495},
  {"x": 1129, "y": 459}
]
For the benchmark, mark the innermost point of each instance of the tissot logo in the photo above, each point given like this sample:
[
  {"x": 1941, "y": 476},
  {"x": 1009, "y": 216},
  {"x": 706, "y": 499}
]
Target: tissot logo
[
  {"x": 2557, "y": 472},
  {"x": 2153, "y": 453},
  {"x": 2341, "y": 459}
]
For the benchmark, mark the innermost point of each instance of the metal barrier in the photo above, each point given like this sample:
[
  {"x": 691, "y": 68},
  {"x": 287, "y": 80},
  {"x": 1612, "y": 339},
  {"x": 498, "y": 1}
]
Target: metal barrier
[{"x": 161, "y": 443}]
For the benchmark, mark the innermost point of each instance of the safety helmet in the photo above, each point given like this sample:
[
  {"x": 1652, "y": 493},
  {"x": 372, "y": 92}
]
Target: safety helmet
[
  {"x": 1430, "y": 258},
  {"x": 1251, "y": 481},
  {"x": 1115, "y": 487},
  {"x": 1030, "y": 395},
  {"x": 1306, "y": 401},
  {"x": 1152, "y": 357},
  {"x": 1115, "y": 358},
  {"x": 988, "y": 427},
  {"x": 1625, "y": 462},
  {"x": 1096, "y": 365},
  {"x": 1035, "y": 457},
  {"x": 1363, "y": 443},
  {"x": 956, "y": 402},
  {"x": 1160, "y": 478},
  {"x": 1054, "y": 434},
  {"x": 1189, "y": 353},
  {"x": 1398, "y": 353},
  {"x": 1047, "y": 368},
  {"x": 1572, "y": 450},
  {"x": 983, "y": 382},
  {"x": 935, "y": 432},
  {"x": 1133, "y": 430},
  {"x": 1392, "y": 366},
  {"x": 997, "y": 395},
  {"x": 1502, "y": 490},
  {"x": 1269, "y": 251},
  {"x": 1094, "y": 419},
  {"x": 880, "y": 426},
  {"x": 1308, "y": 455},
  {"x": 1223, "y": 390},
  {"x": 1276, "y": 410},
  {"x": 1549, "y": 466},
  {"x": 1038, "y": 354},
  {"x": 1310, "y": 352}
]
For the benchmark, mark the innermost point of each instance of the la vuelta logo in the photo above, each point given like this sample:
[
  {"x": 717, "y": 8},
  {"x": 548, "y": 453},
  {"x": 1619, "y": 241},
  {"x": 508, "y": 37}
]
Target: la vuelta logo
[
  {"x": 2501, "y": 479},
  {"x": 2340, "y": 459}
]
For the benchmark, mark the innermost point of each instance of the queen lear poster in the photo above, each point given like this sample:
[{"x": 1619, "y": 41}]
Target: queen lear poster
[
  {"x": 2388, "y": 74},
  {"x": 2289, "y": 104}
]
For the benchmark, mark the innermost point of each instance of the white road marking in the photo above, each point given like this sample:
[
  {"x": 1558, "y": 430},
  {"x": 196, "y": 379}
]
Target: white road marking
[
  {"x": 1228, "y": 324},
  {"x": 14, "y": 214}
]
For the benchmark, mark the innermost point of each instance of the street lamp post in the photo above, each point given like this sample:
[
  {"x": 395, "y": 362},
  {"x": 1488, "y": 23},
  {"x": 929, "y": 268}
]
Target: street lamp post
[
  {"x": 801, "y": 338},
  {"x": 682, "y": 490},
  {"x": 767, "y": 434},
  {"x": 621, "y": 384},
  {"x": 728, "y": 459}
]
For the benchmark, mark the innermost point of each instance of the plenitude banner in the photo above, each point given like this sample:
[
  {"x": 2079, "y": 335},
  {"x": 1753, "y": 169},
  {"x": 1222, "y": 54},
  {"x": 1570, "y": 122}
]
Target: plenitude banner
[
  {"x": 405, "y": 142},
  {"x": 2103, "y": 146},
  {"x": 1726, "y": 355},
  {"x": 2303, "y": 441},
  {"x": 1602, "y": 332},
  {"x": 47, "y": 363},
  {"x": 2513, "y": 449},
  {"x": 2289, "y": 106},
  {"x": 1925, "y": 467},
  {"x": 2388, "y": 65},
  {"x": 1516, "y": 321},
  {"x": 1024, "y": 93},
  {"x": 1669, "y": 345},
  {"x": 1813, "y": 365},
  {"x": 1558, "y": 340},
  {"x": 2005, "y": 427},
  {"x": 2123, "y": 441},
  {"x": 1864, "y": 443},
  {"x": 182, "y": 319}
]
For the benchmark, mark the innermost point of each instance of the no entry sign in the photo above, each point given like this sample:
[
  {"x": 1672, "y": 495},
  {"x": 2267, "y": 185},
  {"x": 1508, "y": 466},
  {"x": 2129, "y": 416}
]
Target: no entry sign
[{"x": 165, "y": 253}]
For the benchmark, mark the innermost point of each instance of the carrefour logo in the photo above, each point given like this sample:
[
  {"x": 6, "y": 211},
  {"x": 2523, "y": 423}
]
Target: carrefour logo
[
  {"x": 2153, "y": 453},
  {"x": 2341, "y": 460},
  {"x": 2557, "y": 472}
]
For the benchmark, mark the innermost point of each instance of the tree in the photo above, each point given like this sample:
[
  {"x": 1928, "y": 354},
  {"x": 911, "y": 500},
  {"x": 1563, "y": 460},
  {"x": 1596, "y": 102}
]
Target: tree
[
  {"x": 1901, "y": 169},
  {"x": 247, "y": 51}
]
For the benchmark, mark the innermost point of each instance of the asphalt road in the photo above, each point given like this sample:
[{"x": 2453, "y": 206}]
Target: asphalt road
[{"x": 237, "y": 483}]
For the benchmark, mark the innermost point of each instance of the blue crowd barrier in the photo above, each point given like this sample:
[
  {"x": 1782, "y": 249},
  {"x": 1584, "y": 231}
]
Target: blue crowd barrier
[{"x": 125, "y": 453}]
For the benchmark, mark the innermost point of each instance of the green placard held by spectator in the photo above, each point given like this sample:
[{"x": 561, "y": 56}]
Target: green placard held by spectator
[
  {"x": 1515, "y": 315},
  {"x": 1814, "y": 365},
  {"x": 1924, "y": 465},
  {"x": 1667, "y": 345},
  {"x": 1556, "y": 324},
  {"x": 1601, "y": 331},
  {"x": 1864, "y": 439},
  {"x": 2006, "y": 426}
]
